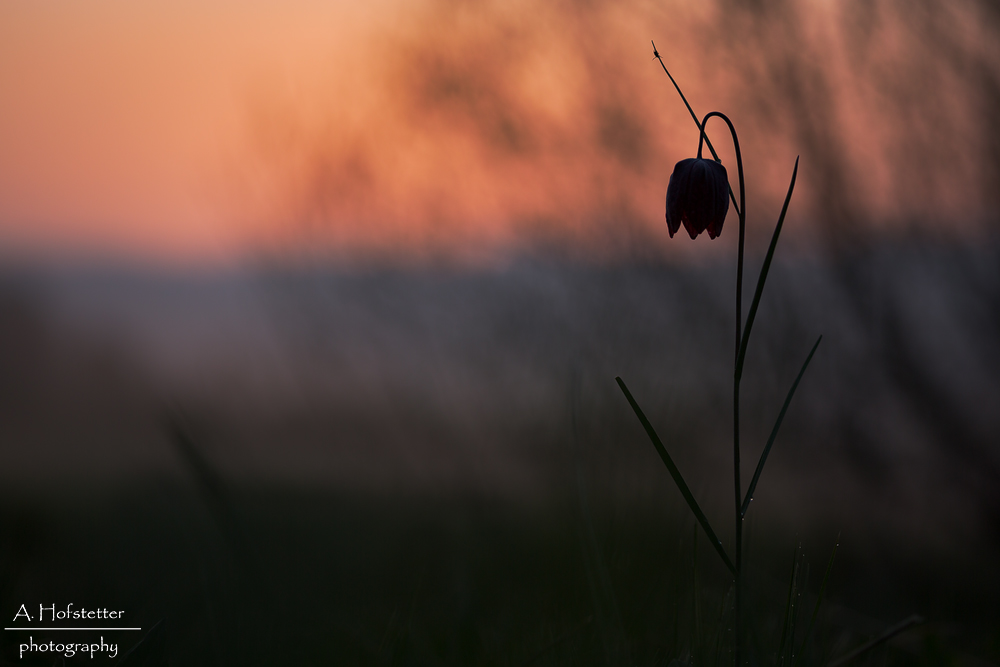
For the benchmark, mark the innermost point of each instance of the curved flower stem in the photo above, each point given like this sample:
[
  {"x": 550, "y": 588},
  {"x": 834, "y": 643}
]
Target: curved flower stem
[
  {"x": 736, "y": 376},
  {"x": 711, "y": 148}
]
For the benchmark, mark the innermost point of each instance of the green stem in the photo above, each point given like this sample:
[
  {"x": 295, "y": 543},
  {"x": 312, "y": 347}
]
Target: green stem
[{"x": 736, "y": 377}]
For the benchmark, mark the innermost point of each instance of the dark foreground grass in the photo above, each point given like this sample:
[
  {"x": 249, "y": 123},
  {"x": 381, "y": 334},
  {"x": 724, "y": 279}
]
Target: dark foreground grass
[{"x": 319, "y": 578}]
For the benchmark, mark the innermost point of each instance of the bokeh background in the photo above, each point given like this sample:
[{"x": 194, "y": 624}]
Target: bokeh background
[{"x": 310, "y": 315}]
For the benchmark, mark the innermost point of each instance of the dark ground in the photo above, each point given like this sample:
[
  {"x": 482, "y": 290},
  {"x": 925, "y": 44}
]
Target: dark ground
[{"x": 382, "y": 467}]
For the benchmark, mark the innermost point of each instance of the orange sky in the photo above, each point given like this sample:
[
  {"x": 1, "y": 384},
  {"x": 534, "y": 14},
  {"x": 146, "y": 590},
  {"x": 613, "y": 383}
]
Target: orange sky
[{"x": 210, "y": 131}]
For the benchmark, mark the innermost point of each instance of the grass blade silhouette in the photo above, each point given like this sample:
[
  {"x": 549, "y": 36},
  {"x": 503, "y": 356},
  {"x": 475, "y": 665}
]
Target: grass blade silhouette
[
  {"x": 606, "y": 609},
  {"x": 540, "y": 653},
  {"x": 881, "y": 639},
  {"x": 819, "y": 602},
  {"x": 788, "y": 605},
  {"x": 774, "y": 431},
  {"x": 678, "y": 479},
  {"x": 151, "y": 651},
  {"x": 765, "y": 267}
]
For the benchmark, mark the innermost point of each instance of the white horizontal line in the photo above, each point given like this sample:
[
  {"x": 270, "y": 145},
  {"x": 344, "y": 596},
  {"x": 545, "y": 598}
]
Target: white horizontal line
[{"x": 39, "y": 628}]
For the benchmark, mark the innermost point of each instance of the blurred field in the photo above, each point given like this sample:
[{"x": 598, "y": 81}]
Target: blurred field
[{"x": 381, "y": 465}]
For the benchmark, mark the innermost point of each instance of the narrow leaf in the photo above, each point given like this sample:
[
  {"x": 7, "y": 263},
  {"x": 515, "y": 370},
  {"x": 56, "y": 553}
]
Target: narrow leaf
[
  {"x": 795, "y": 606},
  {"x": 763, "y": 276},
  {"x": 788, "y": 604},
  {"x": 697, "y": 122},
  {"x": 819, "y": 601},
  {"x": 151, "y": 651},
  {"x": 774, "y": 431},
  {"x": 676, "y": 474},
  {"x": 881, "y": 639}
]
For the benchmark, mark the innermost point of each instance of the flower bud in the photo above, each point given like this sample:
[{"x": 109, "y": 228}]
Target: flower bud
[{"x": 698, "y": 197}]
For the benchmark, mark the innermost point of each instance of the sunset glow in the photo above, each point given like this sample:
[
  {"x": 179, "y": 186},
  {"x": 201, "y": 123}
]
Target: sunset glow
[{"x": 199, "y": 132}]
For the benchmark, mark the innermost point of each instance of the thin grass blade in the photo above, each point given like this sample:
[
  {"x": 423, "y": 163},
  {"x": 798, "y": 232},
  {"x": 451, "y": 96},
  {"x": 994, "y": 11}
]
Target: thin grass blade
[
  {"x": 803, "y": 564},
  {"x": 788, "y": 605},
  {"x": 819, "y": 601},
  {"x": 540, "y": 653},
  {"x": 696, "y": 642},
  {"x": 601, "y": 591},
  {"x": 697, "y": 122},
  {"x": 774, "y": 431},
  {"x": 151, "y": 651},
  {"x": 763, "y": 276},
  {"x": 881, "y": 639},
  {"x": 678, "y": 479}
]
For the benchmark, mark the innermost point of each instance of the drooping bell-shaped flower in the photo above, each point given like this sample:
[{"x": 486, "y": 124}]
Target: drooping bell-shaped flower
[{"x": 697, "y": 197}]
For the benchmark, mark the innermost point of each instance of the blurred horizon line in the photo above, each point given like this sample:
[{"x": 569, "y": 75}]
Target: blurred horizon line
[{"x": 635, "y": 247}]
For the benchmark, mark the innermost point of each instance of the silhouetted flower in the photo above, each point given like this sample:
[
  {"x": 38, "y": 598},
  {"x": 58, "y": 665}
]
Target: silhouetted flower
[{"x": 698, "y": 197}]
